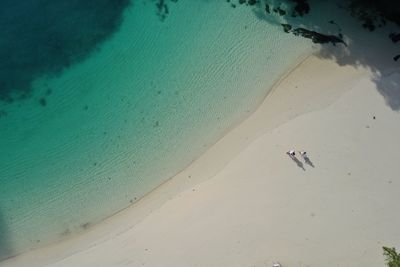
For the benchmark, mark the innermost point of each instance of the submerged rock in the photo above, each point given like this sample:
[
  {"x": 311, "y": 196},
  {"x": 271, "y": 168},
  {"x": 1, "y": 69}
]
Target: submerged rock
[
  {"x": 252, "y": 2},
  {"x": 267, "y": 9},
  {"x": 287, "y": 27},
  {"x": 42, "y": 102}
]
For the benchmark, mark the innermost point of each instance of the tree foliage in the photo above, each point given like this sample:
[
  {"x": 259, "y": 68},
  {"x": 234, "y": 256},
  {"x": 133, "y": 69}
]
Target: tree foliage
[{"x": 392, "y": 257}]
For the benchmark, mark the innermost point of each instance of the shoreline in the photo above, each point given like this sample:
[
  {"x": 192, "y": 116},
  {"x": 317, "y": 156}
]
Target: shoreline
[
  {"x": 281, "y": 108},
  {"x": 87, "y": 233},
  {"x": 129, "y": 104}
]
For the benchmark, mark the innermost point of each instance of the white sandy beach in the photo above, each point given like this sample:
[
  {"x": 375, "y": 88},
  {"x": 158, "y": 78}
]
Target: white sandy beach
[{"x": 246, "y": 203}]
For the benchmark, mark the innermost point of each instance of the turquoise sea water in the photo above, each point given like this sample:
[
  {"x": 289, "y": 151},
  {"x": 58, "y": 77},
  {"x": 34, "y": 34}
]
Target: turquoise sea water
[{"x": 97, "y": 131}]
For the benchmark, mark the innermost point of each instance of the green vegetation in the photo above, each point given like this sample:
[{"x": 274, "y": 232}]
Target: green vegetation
[{"x": 392, "y": 257}]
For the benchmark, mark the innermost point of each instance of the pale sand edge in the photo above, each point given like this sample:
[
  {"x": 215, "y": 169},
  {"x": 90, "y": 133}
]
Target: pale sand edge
[{"x": 287, "y": 101}]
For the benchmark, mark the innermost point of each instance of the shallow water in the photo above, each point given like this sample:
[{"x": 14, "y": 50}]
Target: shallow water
[{"x": 95, "y": 132}]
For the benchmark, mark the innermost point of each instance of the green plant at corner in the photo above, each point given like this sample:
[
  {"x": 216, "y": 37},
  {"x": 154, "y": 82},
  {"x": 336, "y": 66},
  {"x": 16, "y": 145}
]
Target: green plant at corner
[{"x": 392, "y": 257}]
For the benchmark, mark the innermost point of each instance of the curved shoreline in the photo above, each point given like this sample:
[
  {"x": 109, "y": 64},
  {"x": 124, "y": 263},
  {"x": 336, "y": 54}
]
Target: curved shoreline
[
  {"x": 151, "y": 194},
  {"x": 248, "y": 167},
  {"x": 125, "y": 112}
]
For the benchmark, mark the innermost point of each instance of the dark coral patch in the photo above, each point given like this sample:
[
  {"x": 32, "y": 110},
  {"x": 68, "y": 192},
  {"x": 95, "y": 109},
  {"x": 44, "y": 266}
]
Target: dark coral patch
[{"x": 44, "y": 37}]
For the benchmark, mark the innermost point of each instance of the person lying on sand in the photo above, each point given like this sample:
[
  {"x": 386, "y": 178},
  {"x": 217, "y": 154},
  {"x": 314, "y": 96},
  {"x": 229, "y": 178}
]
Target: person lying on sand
[
  {"x": 291, "y": 153},
  {"x": 306, "y": 159}
]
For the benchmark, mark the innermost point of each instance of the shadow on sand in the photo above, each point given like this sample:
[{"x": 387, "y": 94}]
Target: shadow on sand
[
  {"x": 370, "y": 48},
  {"x": 298, "y": 162},
  {"x": 308, "y": 162},
  {"x": 378, "y": 60}
]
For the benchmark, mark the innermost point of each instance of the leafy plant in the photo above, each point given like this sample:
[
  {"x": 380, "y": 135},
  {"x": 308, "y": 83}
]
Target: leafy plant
[{"x": 392, "y": 257}]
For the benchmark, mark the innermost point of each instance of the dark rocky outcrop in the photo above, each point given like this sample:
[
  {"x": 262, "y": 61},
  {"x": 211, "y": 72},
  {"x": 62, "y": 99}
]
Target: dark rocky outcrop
[{"x": 316, "y": 37}]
